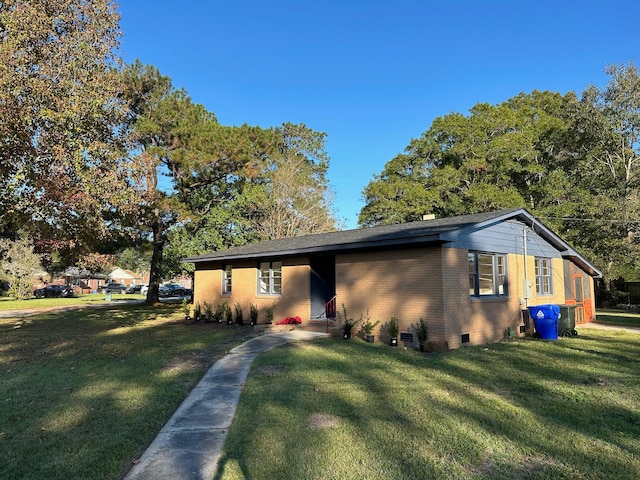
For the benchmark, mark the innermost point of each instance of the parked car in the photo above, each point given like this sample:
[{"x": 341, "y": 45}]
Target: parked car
[
  {"x": 136, "y": 289},
  {"x": 173, "y": 290},
  {"x": 53, "y": 291},
  {"x": 113, "y": 288}
]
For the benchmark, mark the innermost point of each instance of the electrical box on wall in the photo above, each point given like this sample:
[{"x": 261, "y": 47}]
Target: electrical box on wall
[{"x": 527, "y": 288}]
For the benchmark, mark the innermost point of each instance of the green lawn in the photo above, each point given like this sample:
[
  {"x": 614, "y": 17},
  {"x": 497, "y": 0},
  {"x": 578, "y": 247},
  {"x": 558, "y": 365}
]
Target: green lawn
[
  {"x": 335, "y": 409},
  {"x": 627, "y": 318},
  {"x": 8, "y": 303},
  {"x": 83, "y": 392}
]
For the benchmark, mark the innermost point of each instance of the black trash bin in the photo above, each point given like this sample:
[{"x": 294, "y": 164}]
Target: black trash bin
[{"x": 567, "y": 321}]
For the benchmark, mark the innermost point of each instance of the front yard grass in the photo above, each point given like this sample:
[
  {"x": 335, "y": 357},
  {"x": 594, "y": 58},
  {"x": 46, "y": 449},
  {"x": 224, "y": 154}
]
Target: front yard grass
[
  {"x": 625, "y": 318},
  {"x": 83, "y": 392},
  {"x": 9, "y": 303},
  {"x": 335, "y": 409}
]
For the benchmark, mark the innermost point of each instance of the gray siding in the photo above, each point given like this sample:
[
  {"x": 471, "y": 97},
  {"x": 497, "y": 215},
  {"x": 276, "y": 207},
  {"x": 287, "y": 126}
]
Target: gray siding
[{"x": 504, "y": 237}]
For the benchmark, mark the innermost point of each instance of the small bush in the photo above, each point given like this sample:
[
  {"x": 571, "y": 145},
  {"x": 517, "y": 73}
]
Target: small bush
[
  {"x": 422, "y": 332},
  {"x": 393, "y": 327}
]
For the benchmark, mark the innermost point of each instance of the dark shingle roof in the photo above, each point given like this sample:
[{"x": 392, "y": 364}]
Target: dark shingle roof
[
  {"x": 426, "y": 231},
  {"x": 389, "y": 236}
]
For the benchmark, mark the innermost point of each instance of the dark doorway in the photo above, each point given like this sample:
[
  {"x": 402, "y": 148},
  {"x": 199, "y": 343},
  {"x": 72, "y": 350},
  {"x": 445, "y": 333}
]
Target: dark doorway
[{"x": 323, "y": 283}]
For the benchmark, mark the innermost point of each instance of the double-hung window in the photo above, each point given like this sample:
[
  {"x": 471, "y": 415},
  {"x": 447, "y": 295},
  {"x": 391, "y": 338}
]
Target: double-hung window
[
  {"x": 270, "y": 278},
  {"x": 544, "y": 285},
  {"x": 487, "y": 274},
  {"x": 226, "y": 279}
]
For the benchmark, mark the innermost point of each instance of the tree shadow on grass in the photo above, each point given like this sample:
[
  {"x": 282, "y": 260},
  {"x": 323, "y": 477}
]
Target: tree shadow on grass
[
  {"x": 85, "y": 391},
  {"x": 525, "y": 409}
]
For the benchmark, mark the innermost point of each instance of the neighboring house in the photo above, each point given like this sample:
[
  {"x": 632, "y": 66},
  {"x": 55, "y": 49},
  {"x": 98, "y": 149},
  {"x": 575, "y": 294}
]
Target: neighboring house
[
  {"x": 470, "y": 277},
  {"x": 82, "y": 280},
  {"x": 126, "y": 277}
]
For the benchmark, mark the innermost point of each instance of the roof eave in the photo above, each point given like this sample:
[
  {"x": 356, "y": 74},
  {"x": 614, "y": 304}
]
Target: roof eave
[{"x": 359, "y": 246}]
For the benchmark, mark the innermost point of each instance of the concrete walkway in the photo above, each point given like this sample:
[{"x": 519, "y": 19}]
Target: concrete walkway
[{"x": 190, "y": 444}]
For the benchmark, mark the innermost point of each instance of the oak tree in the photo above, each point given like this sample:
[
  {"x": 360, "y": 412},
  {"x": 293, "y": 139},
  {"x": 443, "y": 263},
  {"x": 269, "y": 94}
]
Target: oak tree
[{"x": 60, "y": 112}]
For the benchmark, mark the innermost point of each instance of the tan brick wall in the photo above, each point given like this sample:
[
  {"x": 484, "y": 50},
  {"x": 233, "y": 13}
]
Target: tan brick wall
[
  {"x": 296, "y": 288},
  {"x": 403, "y": 283},
  {"x": 486, "y": 319},
  {"x": 433, "y": 283}
]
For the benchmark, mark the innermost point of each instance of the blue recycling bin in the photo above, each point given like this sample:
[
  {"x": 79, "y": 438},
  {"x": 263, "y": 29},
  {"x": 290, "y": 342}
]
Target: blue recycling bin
[{"x": 545, "y": 318}]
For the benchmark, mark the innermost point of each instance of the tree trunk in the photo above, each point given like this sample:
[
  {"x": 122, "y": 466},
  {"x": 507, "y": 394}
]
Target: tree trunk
[{"x": 156, "y": 261}]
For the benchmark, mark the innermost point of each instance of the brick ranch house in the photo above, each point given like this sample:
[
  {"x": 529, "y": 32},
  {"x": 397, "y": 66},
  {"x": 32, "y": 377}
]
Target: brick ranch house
[{"x": 470, "y": 277}]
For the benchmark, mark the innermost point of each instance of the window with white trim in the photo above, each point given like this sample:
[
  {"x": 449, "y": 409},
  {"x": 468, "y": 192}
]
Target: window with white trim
[
  {"x": 544, "y": 278},
  {"x": 226, "y": 279},
  {"x": 270, "y": 278},
  {"x": 487, "y": 274}
]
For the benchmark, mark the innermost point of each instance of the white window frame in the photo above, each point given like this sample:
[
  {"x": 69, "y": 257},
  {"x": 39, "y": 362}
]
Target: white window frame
[
  {"x": 487, "y": 274},
  {"x": 227, "y": 277},
  {"x": 270, "y": 278},
  {"x": 544, "y": 276}
]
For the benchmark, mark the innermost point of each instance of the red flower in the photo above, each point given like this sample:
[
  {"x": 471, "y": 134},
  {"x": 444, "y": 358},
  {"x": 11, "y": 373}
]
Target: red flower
[{"x": 290, "y": 321}]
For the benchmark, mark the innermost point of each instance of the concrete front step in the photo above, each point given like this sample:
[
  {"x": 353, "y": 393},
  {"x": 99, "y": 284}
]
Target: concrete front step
[{"x": 319, "y": 326}]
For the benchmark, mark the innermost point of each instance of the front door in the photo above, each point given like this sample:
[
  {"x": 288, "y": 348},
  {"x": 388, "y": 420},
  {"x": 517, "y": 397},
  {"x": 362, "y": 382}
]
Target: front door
[
  {"x": 578, "y": 291},
  {"x": 579, "y": 298},
  {"x": 323, "y": 283}
]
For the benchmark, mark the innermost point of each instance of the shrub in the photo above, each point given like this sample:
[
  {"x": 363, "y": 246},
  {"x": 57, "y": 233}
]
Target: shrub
[
  {"x": 394, "y": 329},
  {"x": 228, "y": 314},
  {"x": 208, "y": 312},
  {"x": 269, "y": 314},
  {"x": 219, "y": 312},
  {"x": 422, "y": 332},
  {"x": 348, "y": 324},
  {"x": 367, "y": 324},
  {"x": 253, "y": 313},
  {"x": 239, "y": 319}
]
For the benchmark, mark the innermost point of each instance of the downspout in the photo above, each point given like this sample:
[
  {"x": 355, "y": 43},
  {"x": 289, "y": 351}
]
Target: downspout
[{"x": 526, "y": 286}]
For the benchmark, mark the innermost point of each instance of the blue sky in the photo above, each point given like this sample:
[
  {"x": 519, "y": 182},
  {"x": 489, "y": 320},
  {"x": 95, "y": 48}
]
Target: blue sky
[{"x": 374, "y": 74}]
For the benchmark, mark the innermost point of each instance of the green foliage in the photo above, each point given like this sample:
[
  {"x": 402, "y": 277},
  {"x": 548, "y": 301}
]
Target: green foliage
[
  {"x": 510, "y": 333},
  {"x": 393, "y": 327},
  {"x": 494, "y": 158},
  {"x": 572, "y": 162},
  {"x": 186, "y": 306},
  {"x": 253, "y": 313},
  {"x": 219, "y": 312},
  {"x": 367, "y": 324},
  {"x": 134, "y": 259},
  {"x": 348, "y": 323},
  {"x": 287, "y": 191},
  {"x": 62, "y": 117},
  {"x": 239, "y": 317},
  {"x": 19, "y": 266},
  {"x": 228, "y": 314},
  {"x": 208, "y": 311},
  {"x": 269, "y": 314},
  {"x": 422, "y": 330}
]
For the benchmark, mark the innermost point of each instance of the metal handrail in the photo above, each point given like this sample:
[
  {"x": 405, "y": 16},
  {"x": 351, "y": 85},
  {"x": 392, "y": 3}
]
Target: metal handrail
[{"x": 330, "y": 310}]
